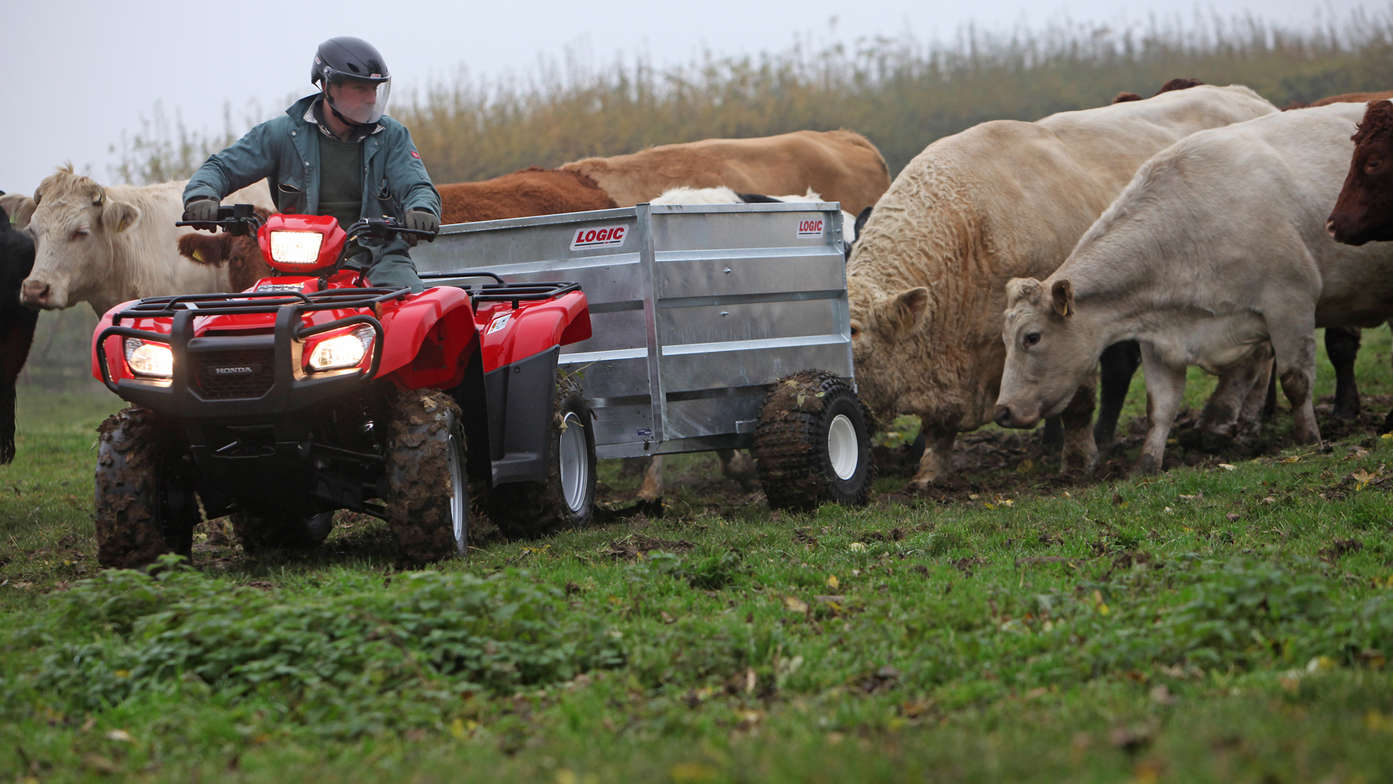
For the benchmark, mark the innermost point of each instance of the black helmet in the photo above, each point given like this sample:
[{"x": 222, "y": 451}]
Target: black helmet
[{"x": 346, "y": 58}]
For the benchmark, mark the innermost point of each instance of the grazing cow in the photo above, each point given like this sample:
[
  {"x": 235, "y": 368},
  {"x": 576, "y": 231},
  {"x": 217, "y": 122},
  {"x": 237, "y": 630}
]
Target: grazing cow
[
  {"x": 841, "y": 165},
  {"x": 104, "y": 245},
  {"x": 531, "y": 191},
  {"x": 926, "y": 282},
  {"x": 16, "y": 325},
  {"x": 1190, "y": 264}
]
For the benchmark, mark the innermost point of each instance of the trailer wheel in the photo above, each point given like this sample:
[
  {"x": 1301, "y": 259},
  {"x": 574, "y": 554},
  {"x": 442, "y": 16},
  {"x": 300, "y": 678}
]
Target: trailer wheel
[
  {"x": 813, "y": 443},
  {"x": 566, "y": 499},
  {"x": 145, "y": 504},
  {"x": 259, "y": 530},
  {"x": 427, "y": 489}
]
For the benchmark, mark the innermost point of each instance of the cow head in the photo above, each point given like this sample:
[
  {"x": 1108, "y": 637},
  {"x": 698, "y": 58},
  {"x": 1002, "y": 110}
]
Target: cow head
[
  {"x": 881, "y": 328},
  {"x": 18, "y": 207},
  {"x": 1049, "y": 355},
  {"x": 74, "y": 225},
  {"x": 239, "y": 253},
  {"x": 1364, "y": 209}
]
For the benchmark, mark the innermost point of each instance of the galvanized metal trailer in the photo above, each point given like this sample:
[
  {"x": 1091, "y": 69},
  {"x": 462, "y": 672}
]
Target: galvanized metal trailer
[{"x": 697, "y": 313}]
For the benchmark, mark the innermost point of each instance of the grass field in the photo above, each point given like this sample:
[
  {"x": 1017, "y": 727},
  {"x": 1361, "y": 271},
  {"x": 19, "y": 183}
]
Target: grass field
[{"x": 1225, "y": 621}]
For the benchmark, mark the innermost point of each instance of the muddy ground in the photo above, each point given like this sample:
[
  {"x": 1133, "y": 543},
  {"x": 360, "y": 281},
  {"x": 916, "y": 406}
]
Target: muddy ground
[{"x": 992, "y": 461}]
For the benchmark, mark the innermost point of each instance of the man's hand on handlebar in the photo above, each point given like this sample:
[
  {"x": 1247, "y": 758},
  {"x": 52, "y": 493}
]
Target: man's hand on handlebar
[
  {"x": 202, "y": 208},
  {"x": 423, "y": 220}
]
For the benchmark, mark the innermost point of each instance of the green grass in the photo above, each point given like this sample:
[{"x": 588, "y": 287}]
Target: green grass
[{"x": 1202, "y": 625}]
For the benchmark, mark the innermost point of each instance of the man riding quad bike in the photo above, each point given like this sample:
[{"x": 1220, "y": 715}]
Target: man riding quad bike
[{"x": 313, "y": 391}]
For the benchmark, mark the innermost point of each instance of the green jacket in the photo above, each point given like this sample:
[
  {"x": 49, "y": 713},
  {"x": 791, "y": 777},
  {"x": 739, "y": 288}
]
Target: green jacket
[{"x": 285, "y": 150}]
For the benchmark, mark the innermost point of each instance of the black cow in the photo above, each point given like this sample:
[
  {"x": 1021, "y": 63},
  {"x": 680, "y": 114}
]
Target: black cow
[{"x": 16, "y": 324}]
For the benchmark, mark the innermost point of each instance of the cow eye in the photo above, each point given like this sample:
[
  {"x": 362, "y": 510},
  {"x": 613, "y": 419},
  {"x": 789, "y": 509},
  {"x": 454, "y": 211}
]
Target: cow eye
[
  {"x": 1372, "y": 165},
  {"x": 78, "y": 234},
  {"x": 1030, "y": 339}
]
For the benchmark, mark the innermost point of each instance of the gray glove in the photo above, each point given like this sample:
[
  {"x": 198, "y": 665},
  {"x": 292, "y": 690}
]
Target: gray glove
[
  {"x": 202, "y": 208},
  {"x": 422, "y": 220}
]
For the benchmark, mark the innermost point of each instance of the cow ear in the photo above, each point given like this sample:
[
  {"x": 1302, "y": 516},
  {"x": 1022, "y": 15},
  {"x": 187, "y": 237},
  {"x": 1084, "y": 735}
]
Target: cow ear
[
  {"x": 903, "y": 312},
  {"x": 1062, "y": 298},
  {"x": 1018, "y": 289},
  {"x": 117, "y": 216}
]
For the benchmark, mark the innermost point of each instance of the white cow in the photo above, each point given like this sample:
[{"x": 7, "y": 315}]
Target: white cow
[
  {"x": 1003, "y": 199},
  {"x": 1216, "y": 247},
  {"x": 104, "y": 245}
]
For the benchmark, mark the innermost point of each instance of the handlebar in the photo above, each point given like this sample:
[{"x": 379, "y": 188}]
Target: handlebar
[
  {"x": 242, "y": 219},
  {"x": 232, "y": 218}
]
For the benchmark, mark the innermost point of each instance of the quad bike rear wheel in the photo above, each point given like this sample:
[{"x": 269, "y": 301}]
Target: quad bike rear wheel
[
  {"x": 428, "y": 490},
  {"x": 812, "y": 443},
  {"x": 145, "y": 504},
  {"x": 566, "y": 498}
]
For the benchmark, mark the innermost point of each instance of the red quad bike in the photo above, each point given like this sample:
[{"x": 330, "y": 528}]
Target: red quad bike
[{"x": 311, "y": 392}]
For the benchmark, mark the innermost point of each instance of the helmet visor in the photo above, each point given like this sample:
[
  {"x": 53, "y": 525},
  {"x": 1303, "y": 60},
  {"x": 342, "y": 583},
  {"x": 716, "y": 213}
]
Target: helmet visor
[{"x": 362, "y": 101}]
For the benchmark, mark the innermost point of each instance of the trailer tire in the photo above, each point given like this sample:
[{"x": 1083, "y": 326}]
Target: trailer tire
[
  {"x": 145, "y": 504},
  {"x": 812, "y": 443},
  {"x": 566, "y": 498},
  {"x": 427, "y": 487}
]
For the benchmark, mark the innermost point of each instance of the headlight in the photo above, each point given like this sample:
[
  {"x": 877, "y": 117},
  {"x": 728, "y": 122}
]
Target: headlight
[
  {"x": 154, "y": 360},
  {"x": 342, "y": 351},
  {"x": 296, "y": 247}
]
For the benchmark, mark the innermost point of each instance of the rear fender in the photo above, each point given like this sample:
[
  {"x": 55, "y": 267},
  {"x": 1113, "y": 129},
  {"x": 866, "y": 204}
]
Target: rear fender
[
  {"x": 514, "y": 335},
  {"x": 429, "y": 339}
]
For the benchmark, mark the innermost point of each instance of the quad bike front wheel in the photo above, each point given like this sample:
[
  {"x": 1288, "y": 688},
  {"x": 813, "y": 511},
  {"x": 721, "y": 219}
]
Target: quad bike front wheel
[
  {"x": 566, "y": 498},
  {"x": 812, "y": 443},
  {"x": 427, "y": 488},
  {"x": 145, "y": 504}
]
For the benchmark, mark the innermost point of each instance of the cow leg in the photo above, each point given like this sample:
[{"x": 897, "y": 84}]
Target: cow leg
[
  {"x": 1342, "y": 345},
  {"x": 937, "y": 461},
  {"x": 652, "y": 487},
  {"x": 1165, "y": 391},
  {"x": 1053, "y": 437},
  {"x": 1255, "y": 404},
  {"x": 1118, "y": 364},
  {"x": 1079, "y": 452},
  {"x": 16, "y": 336},
  {"x": 1295, "y": 346},
  {"x": 7, "y": 420},
  {"x": 737, "y": 465},
  {"x": 1225, "y": 406}
]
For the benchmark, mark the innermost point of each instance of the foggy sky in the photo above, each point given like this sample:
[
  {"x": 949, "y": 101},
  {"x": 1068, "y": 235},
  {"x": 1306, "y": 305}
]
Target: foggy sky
[{"x": 81, "y": 73}]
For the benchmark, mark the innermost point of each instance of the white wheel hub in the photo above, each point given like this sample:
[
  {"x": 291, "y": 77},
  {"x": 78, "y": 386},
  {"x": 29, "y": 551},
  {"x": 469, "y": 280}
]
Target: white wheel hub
[
  {"x": 575, "y": 467},
  {"x": 459, "y": 496},
  {"x": 843, "y": 447}
]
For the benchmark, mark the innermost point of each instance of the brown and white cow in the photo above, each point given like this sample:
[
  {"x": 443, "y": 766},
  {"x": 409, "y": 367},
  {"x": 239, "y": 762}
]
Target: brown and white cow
[
  {"x": 104, "y": 245},
  {"x": 1215, "y": 248},
  {"x": 240, "y": 254},
  {"x": 531, "y": 191},
  {"x": 841, "y": 165},
  {"x": 1363, "y": 209},
  {"x": 1003, "y": 199},
  {"x": 16, "y": 324}
]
